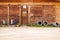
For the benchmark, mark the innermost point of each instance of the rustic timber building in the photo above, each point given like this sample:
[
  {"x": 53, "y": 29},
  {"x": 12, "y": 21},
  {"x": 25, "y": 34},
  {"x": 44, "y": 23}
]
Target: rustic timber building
[{"x": 29, "y": 11}]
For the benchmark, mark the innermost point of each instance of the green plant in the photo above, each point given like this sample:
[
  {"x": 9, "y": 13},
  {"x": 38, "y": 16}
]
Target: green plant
[
  {"x": 18, "y": 25},
  {"x": 34, "y": 25}
]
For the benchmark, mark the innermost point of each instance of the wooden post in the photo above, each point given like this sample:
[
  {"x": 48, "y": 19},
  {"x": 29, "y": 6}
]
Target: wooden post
[
  {"x": 19, "y": 15},
  {"x": 28, "y": 14},
  {"x": 8, "y": 15}
]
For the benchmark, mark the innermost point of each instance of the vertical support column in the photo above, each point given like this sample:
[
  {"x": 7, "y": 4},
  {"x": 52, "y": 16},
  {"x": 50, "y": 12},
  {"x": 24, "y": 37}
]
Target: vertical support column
[
  {"x": 55, "y": 13},
  {"x": 8, "y": 14},
  {"x": 19, "y": 15},
  {"x": 29, "y": 14}
]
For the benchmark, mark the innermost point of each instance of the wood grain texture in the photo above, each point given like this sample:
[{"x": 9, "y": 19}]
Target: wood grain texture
[
  {"x": 29, "y": 0},
  {"x": 42, "y": 13}
]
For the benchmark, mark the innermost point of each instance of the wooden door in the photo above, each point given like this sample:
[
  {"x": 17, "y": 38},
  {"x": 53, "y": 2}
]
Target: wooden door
[{"x": 24, "y": 15}]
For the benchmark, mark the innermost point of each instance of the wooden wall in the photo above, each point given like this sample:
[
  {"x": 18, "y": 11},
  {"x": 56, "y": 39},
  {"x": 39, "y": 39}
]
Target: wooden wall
[
  {"x": 14, "y": 13},
  {"x": 42, "y": 13},
  {"x": 35, "y": 13},
  {"x": 3, "y": 13},
  {"x": 57, "y": 11}
]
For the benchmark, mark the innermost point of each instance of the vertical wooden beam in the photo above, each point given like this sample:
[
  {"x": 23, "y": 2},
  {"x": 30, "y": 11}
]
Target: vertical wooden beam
[
  {"x": 19, "y": 14},
  {"x": 8, "y": 15},
  {"x": 54, "y": 13},
  {"x": 28, "y": 14}
]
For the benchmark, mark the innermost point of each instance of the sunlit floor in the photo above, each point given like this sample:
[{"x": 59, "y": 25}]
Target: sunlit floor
[{"x": 29, "y": 33}]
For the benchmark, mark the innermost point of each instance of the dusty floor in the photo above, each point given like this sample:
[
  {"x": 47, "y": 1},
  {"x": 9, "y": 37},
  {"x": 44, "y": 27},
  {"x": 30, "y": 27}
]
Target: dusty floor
[{"x": 29, "y": 33}]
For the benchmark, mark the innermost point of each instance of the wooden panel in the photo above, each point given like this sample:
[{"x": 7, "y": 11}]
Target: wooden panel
[
  {"x": 49, "y": 13},
  {"x": 44, "y": 1},
  {"x": 24, "y": 15},
  {"x": 26, "y": 0},
  {"x": 14, "y": 13},
  {"x": 42, "y": 13},
  {"x": 3, "y": 13},
  {"x": 10, "y": 0},
  {"x": 29, "y": 0},
  {"x": 37, "y": 13},
  {"x": 57, "y": 8}
]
